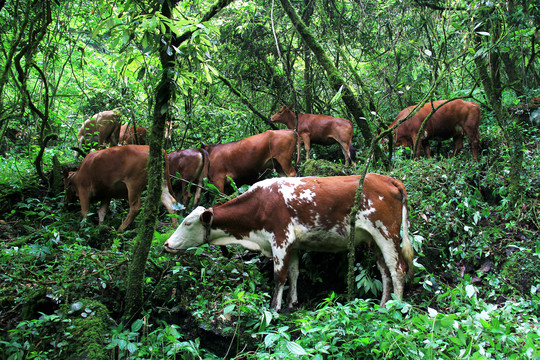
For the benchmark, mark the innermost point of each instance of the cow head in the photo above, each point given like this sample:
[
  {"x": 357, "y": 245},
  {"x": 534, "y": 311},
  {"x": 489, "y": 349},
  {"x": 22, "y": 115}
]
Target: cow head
[
  {"x": 192, "y": 232},
  {"x": 70, "y": 193},
  {"x": 284, "y": 115}
]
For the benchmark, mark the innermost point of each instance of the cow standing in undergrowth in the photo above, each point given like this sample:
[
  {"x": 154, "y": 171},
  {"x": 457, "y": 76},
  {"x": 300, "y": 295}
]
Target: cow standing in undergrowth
[
  {"x": 280, "y": 217},
  {"x": 245, "y": 159},
  {"x": 319, "y": 129},
  {"x": 119, "y": 172},
  {"x": 451, "y": 120},
  {"x": 100, "y": 130}
]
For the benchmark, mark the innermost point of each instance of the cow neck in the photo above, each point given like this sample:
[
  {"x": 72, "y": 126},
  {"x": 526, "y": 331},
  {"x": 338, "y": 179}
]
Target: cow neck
[{"x": 237, "y": 217}]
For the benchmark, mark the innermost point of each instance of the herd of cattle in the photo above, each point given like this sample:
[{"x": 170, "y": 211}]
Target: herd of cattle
[{"x": 277, "y": 217}]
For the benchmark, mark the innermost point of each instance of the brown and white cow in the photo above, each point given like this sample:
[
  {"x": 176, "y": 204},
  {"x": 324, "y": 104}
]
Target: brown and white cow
[
  {"x": 101, "y": 129},
  {"x": 192, "y": 167},
  {"x": 451, "y": 120},
  {"x": 319, "y": 129},
  {"x": 130, "y": 137},
  {"x": 281, "y": 216},
  {"x": 243, "y": 160},
  {"x": 116, "y": 172}
]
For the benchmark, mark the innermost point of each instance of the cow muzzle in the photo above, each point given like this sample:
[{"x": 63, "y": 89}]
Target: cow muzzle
[{"x": 170, "y": 249}]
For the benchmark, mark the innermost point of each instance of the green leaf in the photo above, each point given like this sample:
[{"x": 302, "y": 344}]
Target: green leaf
[
  {"x": 137, "y": 325},
  {"x": 296, "y": 349}
]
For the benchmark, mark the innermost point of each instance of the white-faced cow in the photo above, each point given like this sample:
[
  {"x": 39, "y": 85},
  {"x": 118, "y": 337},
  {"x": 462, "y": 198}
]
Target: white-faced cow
[
  {"x": 319, "y": 129},
  {"x": 119, "y": 172},
  {"x": 243, "y": 160},
  {"x": 451, "y": 120},
  {"x": 132, "y": 135},
  {"x": 281, "y": 216},
  {"x": 191, "y": 166},
  {"x": 101, "y": 129}
]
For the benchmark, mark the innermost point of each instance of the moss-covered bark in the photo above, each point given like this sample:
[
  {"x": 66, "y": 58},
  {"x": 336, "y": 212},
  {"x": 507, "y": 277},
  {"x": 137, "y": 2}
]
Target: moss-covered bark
[
  {"x": 334, "y": 76},
  {"x": 164, "y": 93}
]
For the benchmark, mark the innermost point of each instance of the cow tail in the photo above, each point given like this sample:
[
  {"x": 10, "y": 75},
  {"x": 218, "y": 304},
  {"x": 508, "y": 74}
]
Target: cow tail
[
  {"x": 352, "y": 153},
  {"x": 406, "y": 246}
]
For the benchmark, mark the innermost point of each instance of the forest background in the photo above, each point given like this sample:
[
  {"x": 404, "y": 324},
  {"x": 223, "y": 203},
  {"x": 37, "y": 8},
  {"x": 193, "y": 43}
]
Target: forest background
[{"x": 218, "y": 71}]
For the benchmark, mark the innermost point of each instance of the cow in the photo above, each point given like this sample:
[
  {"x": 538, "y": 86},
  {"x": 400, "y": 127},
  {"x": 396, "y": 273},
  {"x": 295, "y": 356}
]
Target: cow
[
  {"x": 100, "y": 130},
  {"x": 281, "y": 216},
  {"x": 130, "y": 137},
  {"x": 451, "y": 120},
  {"x": 243, "y": 160},
  {"x": 116, "y": 172},
  {"x": 192, "y": 167},
  {"x": 319, "y": 129}
]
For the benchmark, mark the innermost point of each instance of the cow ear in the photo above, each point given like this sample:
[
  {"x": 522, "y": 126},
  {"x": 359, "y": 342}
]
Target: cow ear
[{"x": 207, "y": 216}]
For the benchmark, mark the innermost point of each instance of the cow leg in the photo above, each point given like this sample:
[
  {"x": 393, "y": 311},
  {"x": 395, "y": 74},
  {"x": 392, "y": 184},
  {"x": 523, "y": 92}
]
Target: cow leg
[
  {"x": 385, "y": 277},
  {"x": 103, "y": 209},
  {"x": 134, "y": 199},
  {"x": 293, "y": 278},
  {"x": 281, "y": 269},
  {"x": 168, "y": 200},
  {"x": 307, "y": 144},
  {"x": 473, "y": 135},
  {"x": 346, "y": 152},
  {"x": 84, "y": 198},
  {"x": 458, "y": 143},
  {"x": 427, "y": 149}
]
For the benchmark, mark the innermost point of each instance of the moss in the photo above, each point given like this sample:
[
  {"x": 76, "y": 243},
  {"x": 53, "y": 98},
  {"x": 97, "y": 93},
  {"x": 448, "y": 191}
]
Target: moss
[
  {"x": 521, "y": 270},
  {"x": 323, "y": 168},
  {"x": 89, "y": 326}
]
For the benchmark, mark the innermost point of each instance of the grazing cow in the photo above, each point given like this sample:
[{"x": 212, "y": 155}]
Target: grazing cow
[
  {"x": 101, "y": 129},
  {"x": 130, "y": 137},
  {"x": 192, "y": 165},
  {"x": 116, "y": 172},
  {"x": 281, "y": 216},
  {"x": 449, "y": 121},
  {"x": 243, "y": 160},
  {"x": 319, "y": 129}
]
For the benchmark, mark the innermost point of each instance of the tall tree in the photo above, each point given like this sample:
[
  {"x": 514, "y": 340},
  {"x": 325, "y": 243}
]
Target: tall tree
[{"x": 169, "y": 40}]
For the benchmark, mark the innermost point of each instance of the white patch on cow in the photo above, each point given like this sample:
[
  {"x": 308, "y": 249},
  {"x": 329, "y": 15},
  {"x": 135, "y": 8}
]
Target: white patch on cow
[
  {"x": 369, "y": 209},
  {"x": 381, "y": 198},
  {"x": 381, "y": 226},
  {"x": 288, "y": 188},
  {"x": 259, "y": 240}
]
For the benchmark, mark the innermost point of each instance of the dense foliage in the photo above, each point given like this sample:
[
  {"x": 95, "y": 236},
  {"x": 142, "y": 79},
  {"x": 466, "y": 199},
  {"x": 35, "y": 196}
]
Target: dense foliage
[{"x": 475, "y": 226}]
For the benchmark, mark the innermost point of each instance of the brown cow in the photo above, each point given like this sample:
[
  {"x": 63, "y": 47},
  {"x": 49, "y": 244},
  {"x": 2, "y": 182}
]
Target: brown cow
[
  {"x": 192, "y": 167},
  {"x": 116, "y": 172},
  {"x": 243, "y": 160},
  {"x": 130, "y": 137},
  {"x": 319, "y": 129},
  {"x": 101, "y": 129},
  {"x": 281, "y": 216},
  {"x": 450, "y": 121}
]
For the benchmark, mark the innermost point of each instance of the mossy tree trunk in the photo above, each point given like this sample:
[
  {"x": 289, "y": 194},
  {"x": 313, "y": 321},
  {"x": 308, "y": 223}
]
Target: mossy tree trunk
[
  {"x": 164, "y": 93},
  {"x": 335, "y": 78}
]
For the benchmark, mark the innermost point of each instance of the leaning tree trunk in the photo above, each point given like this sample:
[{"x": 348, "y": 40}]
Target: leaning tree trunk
[
  {"x": 334, "y": 76},
  {"x": 165, "y": 91}
]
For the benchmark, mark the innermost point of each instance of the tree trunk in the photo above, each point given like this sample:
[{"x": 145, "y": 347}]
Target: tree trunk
[
  {"x": 334, "y": 76},
  {"x": 164, "y": 93}
]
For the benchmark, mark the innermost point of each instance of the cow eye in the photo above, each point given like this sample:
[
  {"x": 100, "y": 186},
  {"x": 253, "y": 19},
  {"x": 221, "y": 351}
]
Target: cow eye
[{"x": 187, "y": 223}]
